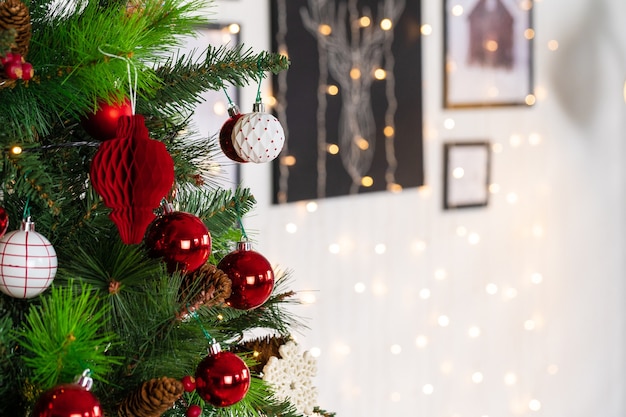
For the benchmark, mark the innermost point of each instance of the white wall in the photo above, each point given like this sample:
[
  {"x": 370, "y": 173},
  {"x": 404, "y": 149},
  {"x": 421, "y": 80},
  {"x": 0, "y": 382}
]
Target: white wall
[{"x": 561, "y": 341}]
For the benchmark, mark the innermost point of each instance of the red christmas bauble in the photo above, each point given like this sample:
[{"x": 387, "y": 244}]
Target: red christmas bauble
[
  {"x": 181, "y": 239},
  {"x": 132, "y": 173},
  {"x": 102, "y": 125},
  {"x": 251, "y": 275},
  {"x": 226, "y": 134},
  {"x": 4, "y": 221},
  {"x": 67, "y": 400},
  {"x": 222, "y": 378},
  {"x": 194, "y": 411}
]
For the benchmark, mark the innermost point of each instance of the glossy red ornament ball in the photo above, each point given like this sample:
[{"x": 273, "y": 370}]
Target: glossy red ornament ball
[
  {"x": 189, "y": 383},
  {"x": 194, "y": 411},
  {"x": 4, "y": 221},
  {"x": 222, "y": 378},
  {"x": 102, "y": 125},
  {"x": 226, "y": 134},
  {"x": 251, "y": 275},
  {"x": 67, "y": 400},
  {"x": 181, "y": 239}
]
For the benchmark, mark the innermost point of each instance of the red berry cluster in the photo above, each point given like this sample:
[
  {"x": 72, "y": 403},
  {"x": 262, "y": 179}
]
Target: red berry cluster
[{"x": 16, "y": 68}]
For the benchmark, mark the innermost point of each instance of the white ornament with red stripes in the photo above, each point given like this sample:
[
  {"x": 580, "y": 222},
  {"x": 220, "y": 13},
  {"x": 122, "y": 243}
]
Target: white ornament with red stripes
[
  {"x": 258, "y": 136},
  {"x": 28, "y": 262}
]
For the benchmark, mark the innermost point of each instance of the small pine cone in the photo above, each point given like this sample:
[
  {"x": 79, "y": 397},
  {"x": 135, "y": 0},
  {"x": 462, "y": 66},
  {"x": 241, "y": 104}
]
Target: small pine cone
[
  {"x": 14, "y": 14},
  {"x": 206, "y": 286},
  {"x": 152, "y": 398},
  {"x": 263, "y": 348}
]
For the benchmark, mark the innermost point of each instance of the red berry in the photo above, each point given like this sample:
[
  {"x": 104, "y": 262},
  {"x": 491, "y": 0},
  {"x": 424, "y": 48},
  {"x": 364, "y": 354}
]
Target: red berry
[
  {"x": 13, "y": 70},
  {"x": 194, "y": 411},
  {"x": 27, "y": 71},
  {"x": 10, "y": 57},
  {"x": 189, "y": 383}
]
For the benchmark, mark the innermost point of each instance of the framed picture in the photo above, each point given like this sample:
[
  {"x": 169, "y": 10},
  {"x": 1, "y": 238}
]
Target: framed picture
[
  {"x": 351, "y": 101},
  {"x": 488, "y": 53},
  {"x": 212, "y": 112},
  {"x": 466, "y": 174}
]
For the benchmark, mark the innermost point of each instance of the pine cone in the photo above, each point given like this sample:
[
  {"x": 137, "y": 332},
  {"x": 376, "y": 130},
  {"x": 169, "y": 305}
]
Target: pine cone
[
  {"x": 14, "y": 14},
  {"x": 206, "y": 286},
  {"x": 153, "y": 398},
  {"x": 263, "y": 348}
]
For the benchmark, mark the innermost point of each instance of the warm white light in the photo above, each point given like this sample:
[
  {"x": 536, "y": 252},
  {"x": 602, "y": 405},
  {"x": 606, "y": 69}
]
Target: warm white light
[
  {"x": 473, "y": 332},
  {"x": 534, "y": 139},
  {"x": 315, "y": 352},
  {"x": 491, "y": 288},
  {"x": 380, "y": 74},
  {"x": 473, "y": 238},
  {"x": 494, "y": 188},
  {"x": 288, "y": 160},
  {"x": 16, "y": 150},
  {"x": 325, "y": 29},
  {"x": 552, "y": 369},
  {"x": 510, "y": 293},
  {"x": 497, "y": 147},
  {"x": 457, "y": 10},
  {"x": 446, "y": 367},
  {"x": 449, "y": 124},
  {"x": 332, "y": 90},
  {"x": 515, "y": 140},
  {"x": 311, "y": 206},
  {"x": 428, "y": 389},
  {"x": 426, "y": 29},
  {"x": 365, "y": 21},
  {"x": 510, "y": 378},
  {"x": 458, "y": 172},
  {"x": 395, "y": 397},
  {"x": 536, "y": 278},
  {"x": 534, "y": 405},
  {"x": 477, "y": 377},
  {"x": 219, "y": 108},
  {"x": 529, "y": 325},
  {"x": 461, "y": 231},
  {"x": 440, "y": 274},
  {"x": 553, "y": 45},
  {"x": 530, "y": 99},
  {"x": 379, "y": 289},
  {"x": 424, "y": 293},
  {"x": 421, "y": 341},
  {"x": 334, "y": 248},
  {"x": 443, "y": 320},
  {"x": 307, "y": 297},
  {"x": 359, "y": 288},
  {"x": 380, "y": 248},
  {"x": 291, "y": 228},
  {"x": 234, "y": 28},
  {"x": 529, "y": 33},
  {"x": 386, "y": 24},
  {"x": 512, "y": 198},
  {"x": 332, "y": 148},
  {"x": 355, "y": 73},
  {"x": 419, "y": 246},
  {"x": 395, "y": 349}
]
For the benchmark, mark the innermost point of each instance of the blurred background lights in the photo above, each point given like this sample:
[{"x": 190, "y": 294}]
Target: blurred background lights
[
  {"x": 367, "y": 181},
  {"x": 473, "y": 238},
  {"x": 359, "y": 288},
  {"x": 536, "y": 278},
  {"x": 510, "y": 378},
  {"x": 424, "y": 293},
  {"x": 529, "y": 324},
  {"x": 332, "y": 148},
  {"x": 418, "y": 246},
  {"x": 449, "y": 124},
  {"x": 457, "y": 10},
  {"x": 491, "y": 288},
  {"x": 497, "y": 147},
  {"x": 534, "y": 405},
  {"x": 386, "y": 24},
  {"x": 440, "y": 274},
  {"x": 311, "y": 206},
  {"x": 534, "y": 139},
  {"x": 334, "y": 248},
  {"x": 473, "y": 332},
  {"x": 380, "y": 248},
  {"x": 515, "y": 140},
  {"x": 494, "y": 188},
  {"x": 307, "y": 297},
  {"x": 421, "y": 341},
  {"x": 395, "y": 397},
  {"x": 512, "y": 198},
  {"x": 537, "y": 230},
  {"x": 446, "y": 367},
  {"x": 219, "y": 108},
  {"x": 288, "y": 160},
  {"x": 315, "y": 352},
  {"x": 365, "y": 21},
  {"x": 355, "y": 73},
  {"x": 428, "y": 389},
  {"x": 380, "y": 74},
  {"x": 395, "y": 349},
  {"x": 342, "y": 349},
  {"x": 325, "y": 29},
  {"x": 510, "y": 293},
  {"x": 379, "y": 289},
  {"x": 443, "y": 320},
  {"x": 234, "y": 28},
  {"x": 291, "y": 228},
  {"x": 477, "y": 377},
  {"x": 426, "y": 29},
  {"x": 458, "y": 172},
  {"x": 332, "y": 90},
  {"x": 461, "y": 231}
]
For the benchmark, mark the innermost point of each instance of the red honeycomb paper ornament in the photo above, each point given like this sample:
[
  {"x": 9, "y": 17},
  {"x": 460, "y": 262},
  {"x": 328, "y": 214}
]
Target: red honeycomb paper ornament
[{"x": 132, "y": 173}]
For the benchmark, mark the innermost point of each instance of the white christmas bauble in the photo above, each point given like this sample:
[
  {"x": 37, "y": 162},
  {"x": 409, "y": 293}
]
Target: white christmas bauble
[
  {"x": 28, "y": 262},
  {"x": 258, "y": 137}
]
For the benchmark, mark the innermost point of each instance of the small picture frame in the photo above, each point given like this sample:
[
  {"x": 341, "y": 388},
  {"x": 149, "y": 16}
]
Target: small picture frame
[
  {"x": 466, "y": 174},
  {"x": 488, "y": 53}
]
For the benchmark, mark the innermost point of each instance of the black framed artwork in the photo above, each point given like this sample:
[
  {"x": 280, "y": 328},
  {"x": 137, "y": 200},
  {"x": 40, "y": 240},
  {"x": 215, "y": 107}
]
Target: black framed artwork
[
  {"x": 466, "y": 174},
  {"x": 488, "y": 53},
  {"x": 351, "y": 101}
]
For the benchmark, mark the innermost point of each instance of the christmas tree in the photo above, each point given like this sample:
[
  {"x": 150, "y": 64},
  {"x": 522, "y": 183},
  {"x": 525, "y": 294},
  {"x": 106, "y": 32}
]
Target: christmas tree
[{"x": 138, "y": 292}]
